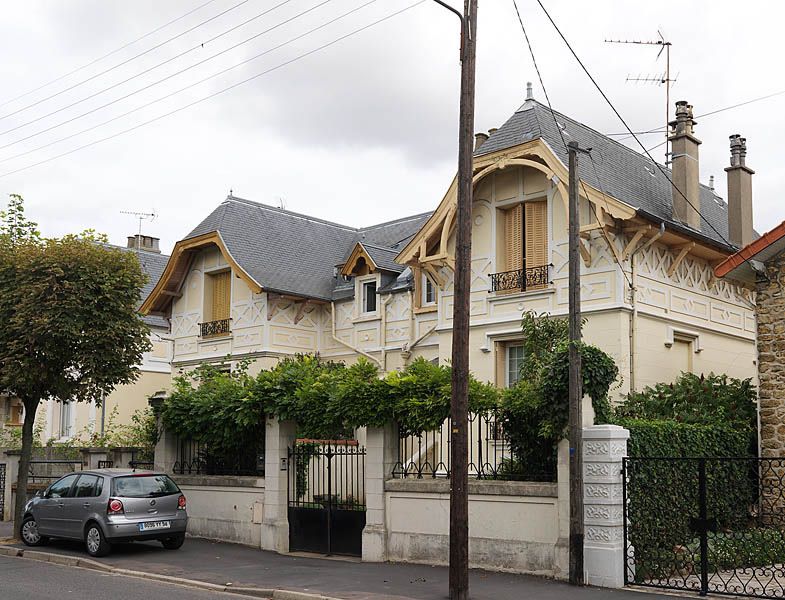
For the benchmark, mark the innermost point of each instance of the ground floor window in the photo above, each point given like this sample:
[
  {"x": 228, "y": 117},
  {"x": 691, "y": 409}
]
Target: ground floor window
[
  {"x": 66, "y": 419},
  {"x": 514, "y": 360}
]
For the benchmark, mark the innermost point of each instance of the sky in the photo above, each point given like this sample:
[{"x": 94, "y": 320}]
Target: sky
[{"x": 357, "y": 128}]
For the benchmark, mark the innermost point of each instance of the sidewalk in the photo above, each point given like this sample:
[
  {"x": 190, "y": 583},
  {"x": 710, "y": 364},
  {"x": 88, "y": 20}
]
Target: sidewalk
[{"x": 221, "y": 563}]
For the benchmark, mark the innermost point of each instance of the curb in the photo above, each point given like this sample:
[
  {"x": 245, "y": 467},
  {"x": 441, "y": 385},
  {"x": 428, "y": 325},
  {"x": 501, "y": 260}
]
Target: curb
[{"x": 86, "y": 563}]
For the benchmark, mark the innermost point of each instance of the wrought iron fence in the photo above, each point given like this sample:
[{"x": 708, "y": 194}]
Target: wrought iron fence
[
  {"x": 142, "y": 459},
  {"x": 105, "y": 464},
  {"x": 2, "y": 490},
  {"x": 520, "y": 279},
  {"x": 211, "y": 328},
  {"x": 710, "y": 525},
  {"x": 196, "y": 458},
  {"x": 490, "y": 455},
  {"x": 51, "y": 469}
]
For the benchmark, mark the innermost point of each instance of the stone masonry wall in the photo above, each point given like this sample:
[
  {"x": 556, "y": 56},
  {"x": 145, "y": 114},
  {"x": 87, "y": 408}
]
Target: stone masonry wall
[{"x": 771, "y": 357}]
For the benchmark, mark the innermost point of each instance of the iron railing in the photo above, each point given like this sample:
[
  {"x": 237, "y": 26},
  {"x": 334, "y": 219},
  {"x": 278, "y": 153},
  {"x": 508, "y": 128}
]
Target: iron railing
[
  {"x": 196, "y": 458},
  {"x": 520, "y": 280},
  {"x": 490, "y": 455},
  {"x": 709, "y": 525},
  {"x": 105, "y": 464},
  {"x": 211, "y": 328},
  {"x": 2, "y": 490}
]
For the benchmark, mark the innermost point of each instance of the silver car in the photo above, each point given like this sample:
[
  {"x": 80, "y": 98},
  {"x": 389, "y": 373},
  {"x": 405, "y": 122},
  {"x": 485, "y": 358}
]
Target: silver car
[{"x": 106, "y": 506}]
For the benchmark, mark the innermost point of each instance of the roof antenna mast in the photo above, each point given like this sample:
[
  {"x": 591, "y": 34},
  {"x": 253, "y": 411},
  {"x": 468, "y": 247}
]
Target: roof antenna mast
[
  {"x": 660, "y": 79},
  {"x": 141, "y": 216}
]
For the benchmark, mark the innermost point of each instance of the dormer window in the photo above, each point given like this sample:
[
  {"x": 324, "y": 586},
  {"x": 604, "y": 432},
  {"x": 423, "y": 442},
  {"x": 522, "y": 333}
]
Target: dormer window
[{"x": 369, "y": 297}]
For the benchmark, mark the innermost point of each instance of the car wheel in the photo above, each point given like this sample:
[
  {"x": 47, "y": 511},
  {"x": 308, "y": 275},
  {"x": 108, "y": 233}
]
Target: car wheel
[
  {"x": 29, "y": 533},
  {"x": 95, "y": 541},
  {"x": 174, "y": 543}
]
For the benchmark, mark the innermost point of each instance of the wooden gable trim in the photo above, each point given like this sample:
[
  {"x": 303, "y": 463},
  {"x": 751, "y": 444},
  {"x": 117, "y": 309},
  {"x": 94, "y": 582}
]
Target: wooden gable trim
[
  {"x": 358, "y": 252},
  {"x": 177, "y": 268}
]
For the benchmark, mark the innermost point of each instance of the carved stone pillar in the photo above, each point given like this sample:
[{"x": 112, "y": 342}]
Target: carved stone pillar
[{"x": 604, "y": 446}]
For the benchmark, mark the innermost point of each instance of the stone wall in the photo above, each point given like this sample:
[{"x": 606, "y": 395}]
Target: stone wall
[{"x": 771, "y": 358}]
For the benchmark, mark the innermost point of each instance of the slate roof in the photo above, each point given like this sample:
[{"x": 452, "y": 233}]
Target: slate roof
[
  {"x": 153, "y": 264},
  {"x": 291, "y": 253},
  {"x": 623, "y": 173}
]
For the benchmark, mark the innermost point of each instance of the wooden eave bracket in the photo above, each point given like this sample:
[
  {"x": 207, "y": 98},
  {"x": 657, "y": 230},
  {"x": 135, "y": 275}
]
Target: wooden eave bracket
[
  {"x": 274, "y": 305},
  {"x": 634, "y": 241},
  {"x": 585, "y": 253},
  {"x": 684, "y": 250},
  {"x": 301, "y": 311}
]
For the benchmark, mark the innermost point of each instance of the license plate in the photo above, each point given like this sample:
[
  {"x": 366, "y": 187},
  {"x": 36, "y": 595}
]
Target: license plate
[{"x": 149, "y": 526}]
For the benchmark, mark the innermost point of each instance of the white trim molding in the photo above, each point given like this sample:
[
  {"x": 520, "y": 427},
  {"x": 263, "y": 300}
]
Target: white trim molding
[{"x": 672, "y": 333}]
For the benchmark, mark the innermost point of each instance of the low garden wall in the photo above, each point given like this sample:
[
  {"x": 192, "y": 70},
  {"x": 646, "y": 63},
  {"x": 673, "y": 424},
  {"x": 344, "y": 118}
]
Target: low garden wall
[
  {"x": 226, "y": 508},
  {"x": 513, "y": 526}
]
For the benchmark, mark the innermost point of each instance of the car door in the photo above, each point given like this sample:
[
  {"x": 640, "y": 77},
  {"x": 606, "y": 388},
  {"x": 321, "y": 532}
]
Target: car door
[
  {"x": 79, "y": 504},
  {"x": 49, "y": 511}
]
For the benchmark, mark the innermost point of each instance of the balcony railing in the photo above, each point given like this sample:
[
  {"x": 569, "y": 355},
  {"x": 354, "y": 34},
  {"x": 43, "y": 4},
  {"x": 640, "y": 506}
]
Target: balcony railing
[
  {"x": 520, "y": 280},
  {"x": 212, "y": 328}
]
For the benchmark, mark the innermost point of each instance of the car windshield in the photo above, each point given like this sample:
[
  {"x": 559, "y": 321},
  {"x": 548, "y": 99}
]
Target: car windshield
[{"x": 144, "y": 486}]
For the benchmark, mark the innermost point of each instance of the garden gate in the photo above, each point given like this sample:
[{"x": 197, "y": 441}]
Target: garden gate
[
  {"x": 326, "y": 497},
  {"x": 705, "y": 524},
  {"x": 2, "y": 490}
]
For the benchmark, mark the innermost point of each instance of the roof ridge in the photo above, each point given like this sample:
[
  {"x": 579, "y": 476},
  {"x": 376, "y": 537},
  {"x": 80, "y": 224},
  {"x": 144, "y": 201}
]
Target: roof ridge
[
  {"x": 288, "y": 212},
  {"x": 396, "y": 221},
  {"x": 378, "y": 247}
]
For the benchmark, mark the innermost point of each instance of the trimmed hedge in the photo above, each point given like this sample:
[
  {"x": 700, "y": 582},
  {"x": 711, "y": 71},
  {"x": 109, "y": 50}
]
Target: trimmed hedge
[{"x": 652, "y": 438}]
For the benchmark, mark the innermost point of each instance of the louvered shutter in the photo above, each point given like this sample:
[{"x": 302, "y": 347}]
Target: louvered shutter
[
  {"x": 513, "y": 238},
  {"x": 536, "y": 223},
  {"x": 221, "y": 292}
]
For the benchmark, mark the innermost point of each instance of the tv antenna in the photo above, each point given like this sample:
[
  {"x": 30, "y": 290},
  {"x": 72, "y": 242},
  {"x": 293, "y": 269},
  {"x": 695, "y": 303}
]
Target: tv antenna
[
  {"x": 659, "y": 79},
  {"x": 141, "y": 216}
]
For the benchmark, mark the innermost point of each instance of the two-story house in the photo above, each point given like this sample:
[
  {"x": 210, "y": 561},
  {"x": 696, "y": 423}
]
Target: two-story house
[
  {"x": 65, "y": 420},
  {"x": 258, "y": 282}
]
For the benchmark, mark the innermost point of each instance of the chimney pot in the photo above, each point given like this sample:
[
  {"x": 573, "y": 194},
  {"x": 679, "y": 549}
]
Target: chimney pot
[
  {"x": 144, "y": 242},
  {"x": 480, "y": 139},
  {"x": 529, "y": 91}
]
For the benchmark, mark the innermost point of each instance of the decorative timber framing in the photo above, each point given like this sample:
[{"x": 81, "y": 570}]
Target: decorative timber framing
[
  {"x": 178, "y": 266},
  {"x": 277, "y": 302},
  {"x": 683, "y": 252},
  {"x": 536, "y": 154},
  {"x": 359, "y": 258}
]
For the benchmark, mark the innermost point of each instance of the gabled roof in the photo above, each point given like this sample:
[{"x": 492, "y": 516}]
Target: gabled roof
[
  {"x": 623, "y": 173},
  {"x": 286, "y": 252},
  {"x": 738, "y": 266}
]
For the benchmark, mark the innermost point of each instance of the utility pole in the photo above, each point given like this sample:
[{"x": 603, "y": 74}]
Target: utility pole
[
  {"x": 575, "y": 382},
  {"x": 459, "y": 400}
]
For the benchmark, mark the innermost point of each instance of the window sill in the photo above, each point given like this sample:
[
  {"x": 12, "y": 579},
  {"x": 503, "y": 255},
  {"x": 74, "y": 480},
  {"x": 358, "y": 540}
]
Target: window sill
[
  {"x": 426, "y": 309},
  {"x": 366, "y": 318}
]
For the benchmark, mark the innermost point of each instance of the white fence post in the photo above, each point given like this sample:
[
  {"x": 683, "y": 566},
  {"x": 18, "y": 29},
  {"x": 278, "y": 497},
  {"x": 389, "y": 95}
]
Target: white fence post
[
  {"x": 382, "y": 449},
  {"x": 604, "y": 447},
  {"x": 279, "y": 436}
]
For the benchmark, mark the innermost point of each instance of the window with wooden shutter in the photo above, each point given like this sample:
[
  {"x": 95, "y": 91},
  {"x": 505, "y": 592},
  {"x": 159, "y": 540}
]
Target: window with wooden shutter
[
  {"x": 513, "y": 238},
  {"x": 221, "y": 295},
  {"x": 536, "y": 223}
]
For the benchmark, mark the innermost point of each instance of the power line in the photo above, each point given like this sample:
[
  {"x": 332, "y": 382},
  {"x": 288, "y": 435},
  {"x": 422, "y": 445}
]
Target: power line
[
  {"x": 170, "y": 94},
  {"x": 616, "y": 112},
  {"x": 170, "y": 76},
  {"x": 125, "y": 62},
  {"x": 706, "y": 114},
  {"x": 219, "y": 92},
  {"x": 108, "y": 54},
  {"x": 561, "y": 135}
]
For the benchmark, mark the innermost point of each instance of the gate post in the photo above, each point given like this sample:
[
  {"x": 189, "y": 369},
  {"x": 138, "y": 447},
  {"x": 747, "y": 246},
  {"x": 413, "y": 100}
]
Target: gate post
[
  {"x": 381, "y": 456},
  {"x": 604, "y": 447},
  {"x": 279, "y": 437},
  {"x": 165, "y": 454}
]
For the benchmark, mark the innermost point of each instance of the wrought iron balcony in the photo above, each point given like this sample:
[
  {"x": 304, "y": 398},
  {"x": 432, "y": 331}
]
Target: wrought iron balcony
[
  {"x": 213, "y": 328},
  {"x": 520, "y": 280}
]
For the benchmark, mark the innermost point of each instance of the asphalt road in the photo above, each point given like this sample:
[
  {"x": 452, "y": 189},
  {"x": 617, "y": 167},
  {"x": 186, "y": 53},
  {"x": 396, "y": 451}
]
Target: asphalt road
[{"x": 22, "y": 579}]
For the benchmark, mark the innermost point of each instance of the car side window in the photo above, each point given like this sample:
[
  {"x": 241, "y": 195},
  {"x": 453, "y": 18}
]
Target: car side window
[
  {"x": 86, "y": 486},
  {"x": 62, "y": 488}
]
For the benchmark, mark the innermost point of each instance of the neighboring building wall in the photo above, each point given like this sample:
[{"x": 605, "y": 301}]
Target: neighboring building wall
[{"x": 771, "y": 356}]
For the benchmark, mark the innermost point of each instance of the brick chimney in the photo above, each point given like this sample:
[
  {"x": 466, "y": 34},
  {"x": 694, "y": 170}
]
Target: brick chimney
[
  {"x": 739, "y": 193},
  {"x": 144, "y": 242},
  {"x": 480, "y": 139},
  {"x": 684, "y": 165}
]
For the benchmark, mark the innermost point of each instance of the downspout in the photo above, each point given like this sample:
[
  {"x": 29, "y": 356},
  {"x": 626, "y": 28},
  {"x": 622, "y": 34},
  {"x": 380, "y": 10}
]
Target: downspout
[
  {"x": 357, "y": 350},
  {"x": 633, "y": 303},
  {"x": 383, "y": 333}
]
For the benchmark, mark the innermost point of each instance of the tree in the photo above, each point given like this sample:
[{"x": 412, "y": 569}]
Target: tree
[{"x": 70, "y": 327}]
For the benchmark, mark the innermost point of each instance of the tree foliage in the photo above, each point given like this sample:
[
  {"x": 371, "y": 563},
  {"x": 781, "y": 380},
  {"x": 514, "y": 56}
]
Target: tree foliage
[{"x": 70, "y": 330}]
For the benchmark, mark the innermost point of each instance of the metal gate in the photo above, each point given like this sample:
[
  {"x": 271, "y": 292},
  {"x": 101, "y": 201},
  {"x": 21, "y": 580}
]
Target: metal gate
[
  {"x": 711, "y": 525},
  {"x": 2, "y": 490},
  {"x": 326, "y": 494}
]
